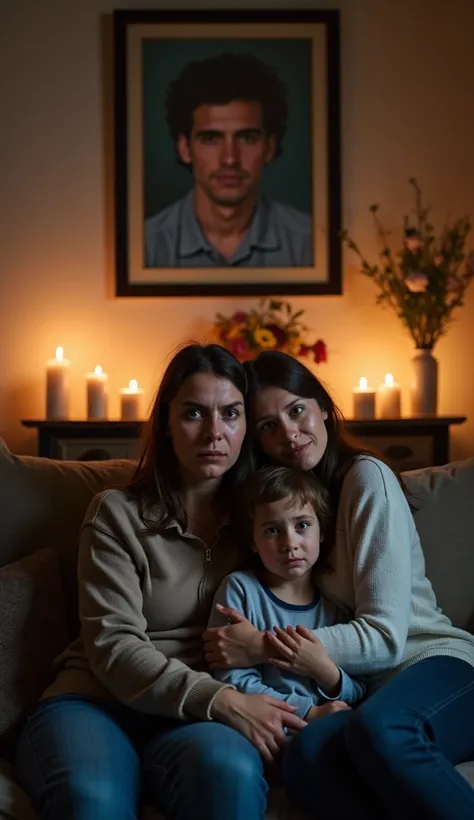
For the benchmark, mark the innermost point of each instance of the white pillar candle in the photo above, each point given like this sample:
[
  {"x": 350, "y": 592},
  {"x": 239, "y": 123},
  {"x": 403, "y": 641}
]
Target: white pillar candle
[
  {"x": 388, "y": 399},
  {"x": 130, "y": 401},
  {"x": 363, "y": 400},
  {"x": 57, "y": 387},
  {"x": 97, "y": 395}
]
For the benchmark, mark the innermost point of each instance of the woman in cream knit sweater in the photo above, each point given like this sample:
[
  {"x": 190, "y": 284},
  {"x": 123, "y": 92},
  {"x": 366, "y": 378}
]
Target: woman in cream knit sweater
[{"x": 394, "y": 756}]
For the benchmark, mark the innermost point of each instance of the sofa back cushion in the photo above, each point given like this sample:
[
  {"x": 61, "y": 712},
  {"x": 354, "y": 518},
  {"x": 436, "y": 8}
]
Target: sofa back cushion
[
  {"x": 43, "y": 503},
  {"x": 444, "y": 498}
]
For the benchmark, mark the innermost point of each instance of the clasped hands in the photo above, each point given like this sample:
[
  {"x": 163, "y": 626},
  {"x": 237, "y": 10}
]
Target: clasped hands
[{"x": 240, "y": 645}]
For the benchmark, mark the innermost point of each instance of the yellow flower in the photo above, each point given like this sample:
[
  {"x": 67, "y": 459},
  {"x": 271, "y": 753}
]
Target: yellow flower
[
  {"x": 236, "y": 331},
  {"x": 264, "y": 338}
]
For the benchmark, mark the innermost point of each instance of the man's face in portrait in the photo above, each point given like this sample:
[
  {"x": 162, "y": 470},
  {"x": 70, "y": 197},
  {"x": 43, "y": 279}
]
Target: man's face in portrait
[{"x": 228, "y": 150}]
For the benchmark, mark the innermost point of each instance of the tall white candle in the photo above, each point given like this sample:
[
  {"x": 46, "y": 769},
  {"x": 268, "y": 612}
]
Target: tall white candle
[
  {"x": 130, "y": 401},
  {"x": 57, "y": 387},
  {"x": 97, "y": 395},
  {"x": 363, "y": 400},
  {"x": 388, "y": 399}
]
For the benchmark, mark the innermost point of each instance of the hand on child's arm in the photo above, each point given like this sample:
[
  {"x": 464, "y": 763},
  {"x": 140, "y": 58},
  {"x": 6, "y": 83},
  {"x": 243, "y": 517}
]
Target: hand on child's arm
[
  {"x": 236, "y": 646},
  {"x": 299, "y": 650},
  {"x": 331, "y": 708}
]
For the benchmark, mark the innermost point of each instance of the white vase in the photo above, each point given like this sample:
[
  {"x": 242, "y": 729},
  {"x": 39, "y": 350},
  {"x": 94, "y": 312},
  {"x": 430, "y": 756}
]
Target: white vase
[{"x": 424, "y": 385}]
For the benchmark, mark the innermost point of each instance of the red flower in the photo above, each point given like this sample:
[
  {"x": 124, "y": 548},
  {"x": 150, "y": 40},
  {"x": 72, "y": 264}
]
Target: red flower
[
  {"x": 278, "y": 333},
  {"x": 304, "y": 350},
  {"x": 239, "y": 347},
  {"x": 320, "y": 351},
  {"x": 239, "y": 317},
  {"x": 223, "y": 334}
]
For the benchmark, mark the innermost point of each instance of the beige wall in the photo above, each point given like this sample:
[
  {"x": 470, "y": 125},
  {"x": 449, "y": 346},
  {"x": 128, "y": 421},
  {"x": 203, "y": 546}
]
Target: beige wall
[{"x": 408, "y": 108}]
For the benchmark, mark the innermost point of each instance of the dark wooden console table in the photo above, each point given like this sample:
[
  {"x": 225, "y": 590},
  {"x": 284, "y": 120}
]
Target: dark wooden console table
[{"x": 408, "y": 443}]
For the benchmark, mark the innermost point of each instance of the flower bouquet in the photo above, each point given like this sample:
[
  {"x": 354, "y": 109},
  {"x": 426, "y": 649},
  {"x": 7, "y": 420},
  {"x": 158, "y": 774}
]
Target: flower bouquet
[
  {"x": 426, "y": 279},
  {"x": 271, "y": 326}
]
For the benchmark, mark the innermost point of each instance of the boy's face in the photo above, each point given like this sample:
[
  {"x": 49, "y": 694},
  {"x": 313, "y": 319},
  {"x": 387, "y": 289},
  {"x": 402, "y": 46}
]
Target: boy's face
[{"x": 287, "y": 538}]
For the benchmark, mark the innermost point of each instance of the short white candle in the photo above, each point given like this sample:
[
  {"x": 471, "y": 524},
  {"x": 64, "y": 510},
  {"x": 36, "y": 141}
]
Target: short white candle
[
  {"x": 388, "y": 399},
  {"x": 363, "y": 400},
  {"x": 130, "y": 401},
  {"x": 57, "y": 387},
  {"x": 97, "y": 394}
]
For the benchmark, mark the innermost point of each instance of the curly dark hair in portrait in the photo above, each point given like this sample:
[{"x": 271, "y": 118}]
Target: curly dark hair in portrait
[{"x": 221, "y": 79}]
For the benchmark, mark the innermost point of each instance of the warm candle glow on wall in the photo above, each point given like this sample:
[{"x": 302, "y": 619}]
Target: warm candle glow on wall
[
  {"x": 97, "y": 397},
  {"x": 57, "y": 387},
  {"x": 388, "y": 399},
  {"x": 130, "y": 401},
  {"x": 363, "y": 400}
]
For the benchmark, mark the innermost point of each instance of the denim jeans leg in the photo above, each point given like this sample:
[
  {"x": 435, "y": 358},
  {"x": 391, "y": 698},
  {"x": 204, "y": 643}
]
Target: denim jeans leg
[
  {"x": 76, "y": 761},
  {"x": 320, "y": 778},
  {"x": 205, "y": 771},
  {"x": 407, "y": 738}
]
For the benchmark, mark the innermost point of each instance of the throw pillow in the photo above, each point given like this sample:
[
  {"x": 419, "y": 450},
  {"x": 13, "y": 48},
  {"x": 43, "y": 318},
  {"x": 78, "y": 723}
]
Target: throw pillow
[{"x": 33, "y": 631}]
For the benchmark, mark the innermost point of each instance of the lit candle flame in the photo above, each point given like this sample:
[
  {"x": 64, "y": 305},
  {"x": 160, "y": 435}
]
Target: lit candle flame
[
  {"x": 133, "y": 384},
  {"x": 59, "y": 354},
  {"x": 98, "y": 370},
  {"x": 389, "y": 380},
  {"x": 363, "y": 383}
]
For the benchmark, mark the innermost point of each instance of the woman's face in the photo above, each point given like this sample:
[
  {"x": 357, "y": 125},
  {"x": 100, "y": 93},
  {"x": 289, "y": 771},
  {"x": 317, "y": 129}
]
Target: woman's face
[
  {"x": 290, "y": 429},
  {"x": 207, "y": 426}
]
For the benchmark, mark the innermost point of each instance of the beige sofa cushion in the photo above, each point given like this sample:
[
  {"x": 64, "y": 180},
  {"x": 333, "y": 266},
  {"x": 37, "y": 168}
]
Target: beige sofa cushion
[
  {"x": 33, "y": 631},
  {"x": 444, "y": 497},
  {"x": 43, "y": 503}
]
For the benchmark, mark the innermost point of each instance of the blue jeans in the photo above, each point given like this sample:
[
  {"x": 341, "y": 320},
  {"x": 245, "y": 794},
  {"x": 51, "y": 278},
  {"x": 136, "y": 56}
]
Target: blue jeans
[
  {"x": 394, "y": 756},
  {"x": 86, "y": 760}
]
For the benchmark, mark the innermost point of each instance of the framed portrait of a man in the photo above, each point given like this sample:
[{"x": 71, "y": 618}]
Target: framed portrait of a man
[{"x": 227, "y": 153}]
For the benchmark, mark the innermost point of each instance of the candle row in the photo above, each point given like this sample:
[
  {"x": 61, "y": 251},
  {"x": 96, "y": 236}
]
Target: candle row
[
  {"x": 57, "y": 393},
  {"x": 384, "y": 403}
]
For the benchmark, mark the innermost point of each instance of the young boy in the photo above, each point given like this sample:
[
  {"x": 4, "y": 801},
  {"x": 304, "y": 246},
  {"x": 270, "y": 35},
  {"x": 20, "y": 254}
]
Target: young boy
[{"x": 284, "y": 514}]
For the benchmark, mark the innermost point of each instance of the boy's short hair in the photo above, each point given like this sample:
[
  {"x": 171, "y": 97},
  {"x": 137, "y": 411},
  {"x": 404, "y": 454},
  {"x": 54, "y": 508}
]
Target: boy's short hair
[{"x": 275, "y": 483}]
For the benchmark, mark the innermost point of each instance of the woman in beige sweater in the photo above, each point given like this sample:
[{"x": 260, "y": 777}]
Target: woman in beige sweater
[{"x": 133, "y": 702}]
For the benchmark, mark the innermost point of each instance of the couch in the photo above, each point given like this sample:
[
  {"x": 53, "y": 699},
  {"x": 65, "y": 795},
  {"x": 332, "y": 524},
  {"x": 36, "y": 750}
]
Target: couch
[{"x": 42, "y": 503}]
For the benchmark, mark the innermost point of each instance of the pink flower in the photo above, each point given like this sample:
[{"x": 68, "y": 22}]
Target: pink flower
[
  {"x": 240, "y": 316},
  {"x": 416, "y": 282},
  {"x": 413, "y": 244}
]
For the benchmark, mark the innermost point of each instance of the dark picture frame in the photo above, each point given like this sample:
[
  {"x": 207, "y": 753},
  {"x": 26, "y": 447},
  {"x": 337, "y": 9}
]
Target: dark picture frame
[{"x": 150, "y": 48}]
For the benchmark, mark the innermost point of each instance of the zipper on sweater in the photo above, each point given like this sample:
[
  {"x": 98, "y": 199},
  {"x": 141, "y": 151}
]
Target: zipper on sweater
[{"x": 207, "y": 565}]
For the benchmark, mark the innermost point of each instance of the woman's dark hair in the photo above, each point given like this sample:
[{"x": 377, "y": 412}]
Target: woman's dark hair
[
  {"x": 156, "y": 480},
  {"x": 275, "y": 483},
  {"x": 272, "y": 368},
  {"x": 218, "y": 81}
]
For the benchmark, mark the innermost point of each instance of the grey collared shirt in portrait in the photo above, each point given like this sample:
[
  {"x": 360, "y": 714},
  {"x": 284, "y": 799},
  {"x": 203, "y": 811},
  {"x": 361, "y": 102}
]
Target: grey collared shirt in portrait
[{"x": 279, "y": 236}]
